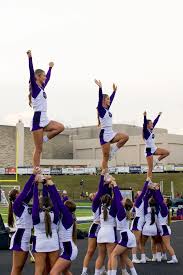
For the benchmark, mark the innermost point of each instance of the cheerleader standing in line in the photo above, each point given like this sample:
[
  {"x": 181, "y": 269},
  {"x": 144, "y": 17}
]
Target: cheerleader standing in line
[
  {"x": 127, "y": 238},
  {"x": 45, "y": 215},
  {"x": 107, "y": 135},
  {"x": 164, "y": 228},
  {"x": 38, "y": 101},
  {"x": 23, "y": 213},
  {"x": 138, "y": 221},
  {"x": 67, "y": 233},
  {"x": 94, "y": 228},
  {"x": 107, "y": 235},
  {"x": 150, "y": 147}
]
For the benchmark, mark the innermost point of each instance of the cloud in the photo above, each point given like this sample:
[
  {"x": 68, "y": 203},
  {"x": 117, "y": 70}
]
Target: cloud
[{"x": 13, "y": 118}]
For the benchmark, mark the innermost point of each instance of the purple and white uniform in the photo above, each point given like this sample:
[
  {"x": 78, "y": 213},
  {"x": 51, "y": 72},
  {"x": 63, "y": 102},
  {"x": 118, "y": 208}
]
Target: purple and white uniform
[
  {"x": 42, "y": 243},
  {"x": 162, "y": 220},
  {"x": 139, "y": 219},
  {"x": 20, "y": 240},
  {"x": 105, "y": 117},
  {"x": 127, "y": 238},
  {"x": 39, "y": 100},
  {"x": 107, "y": 232},
  {"x": 69, "y": 250},
  {"x": 95, "y": 226},
  {"x": 150, "y": 147}
]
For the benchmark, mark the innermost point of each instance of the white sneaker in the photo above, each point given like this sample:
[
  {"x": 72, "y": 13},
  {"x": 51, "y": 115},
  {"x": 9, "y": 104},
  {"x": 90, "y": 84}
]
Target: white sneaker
[
  {"x": 175, "y": 261},
  {"x": 136, "y": 261},
  {"x": 84, "y": 273},
  {"x": 148, "y": 259},
  {"x": 143, "y": 261},
  {"x": 154, "y": 259}
]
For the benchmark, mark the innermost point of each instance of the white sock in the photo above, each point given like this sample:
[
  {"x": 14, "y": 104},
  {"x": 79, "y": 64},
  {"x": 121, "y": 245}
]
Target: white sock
[
  {"x": 109, "y": 272},
  {"x": 133, "y": 271},
  {"x": 134, "y": 256},
  {"x": 154, "y": 256},
  {"x": 174, "y": 258},
  {"x": 113, "y": 272},
  {"x": 143, "y": 257},
  {"x": 85, "y": 269},
  {"x": 45, "y": 139},
  {"x": 158, "y": 256},
  {"x": 102, "y": 269},
  {"x": 97, "y": 271},
  {"x": 115, "y": 148}
]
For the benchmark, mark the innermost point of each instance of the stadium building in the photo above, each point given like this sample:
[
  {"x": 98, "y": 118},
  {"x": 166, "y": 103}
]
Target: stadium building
[{"x": 80, "y": 147}]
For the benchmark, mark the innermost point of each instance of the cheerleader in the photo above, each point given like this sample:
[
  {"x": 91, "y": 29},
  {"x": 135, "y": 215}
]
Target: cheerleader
[
  {"x": 45, "y": 215},
  {"x": 107, "y": 235},
  {"x": 67, "y": 233},
  {"x": 18, "y": 204},
  {"x": 107, "y": 135},
  {"x": 150, "y": 147},
  {"x": 38, "y": 101},
  {"x": 94, "y": 229},
  {"x": 139, "y": 220},
  {"x": 127, "y": 238},
  {"x": 150, "y": 227},
  {"x": 163, "y": 224}
]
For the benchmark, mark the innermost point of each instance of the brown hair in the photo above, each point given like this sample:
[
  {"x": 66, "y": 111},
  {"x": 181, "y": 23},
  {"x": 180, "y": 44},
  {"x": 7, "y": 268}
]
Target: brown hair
[
  {"x": 37, "y": 72},
  {"x": 72, "y": 208},
  {"x": 12, "y": 198},
  {"x": 128, "y": 206},
  {"x": 98, "y": 119},
  {"x": 106, "y": 202},
  {"x": 152, "y": 204},
  {"x": 46, "y": 205}
]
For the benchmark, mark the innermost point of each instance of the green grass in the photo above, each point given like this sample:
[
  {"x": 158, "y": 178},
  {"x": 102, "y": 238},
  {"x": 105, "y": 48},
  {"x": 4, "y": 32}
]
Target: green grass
[{"x": 72, "y": 183}]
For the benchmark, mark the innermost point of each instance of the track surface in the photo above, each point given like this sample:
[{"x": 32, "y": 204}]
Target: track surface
[{"x": 143, "y": 269}]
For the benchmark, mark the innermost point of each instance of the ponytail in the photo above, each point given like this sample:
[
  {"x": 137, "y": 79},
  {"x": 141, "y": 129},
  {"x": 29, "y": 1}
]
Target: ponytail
[
  {"x": 12, "y": 198},
  {"x": 47, "y": 220},
  {"x": 105, "y": 212},
  {"x": 128, "y": 207},
  {"x": 152, "y": 215},
  {"x": 106, "y": 202}
]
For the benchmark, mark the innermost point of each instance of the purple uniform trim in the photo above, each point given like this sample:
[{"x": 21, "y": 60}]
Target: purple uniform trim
[
  {"x": 35, "y": 207},
  {"x": 121, "y": 213},
  {"x": 162, "y": 206},
  {"x": 18, "y": 207},
  {"x": 101, "y": 137},
  {"x": 147, "y": 196},
  {"x": 92, "y": 234},
  {"x": 165, "y": 230},
  {"x": 100, "y": 108},
  {"x": 67, "y": 251},
  {"x": 36, "y": 121},
  {"x": 17, "y": 239},
  {"x": 146, "y": 131},
  {"x": 139, "y": 200},
  {"x": 124, "y": 239},
  {"x": 96, "y": 201},
  {"x": 135, "y": 224},
  {"x": 35, "y": 88},
  {"x": 67, "y": 219}
]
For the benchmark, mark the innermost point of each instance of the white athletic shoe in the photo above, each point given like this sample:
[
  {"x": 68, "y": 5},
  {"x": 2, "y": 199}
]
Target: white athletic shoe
[
  {"x": 136, "y": 261},
  {"x": 148, "y": 259},
  {"x": 143, "y": 261},
  {"x": 125, "y": 273},
  {"x": 153, "y": 259},
  {"x": 84, "y": 273},
  {"x": 175, "y": 261}
]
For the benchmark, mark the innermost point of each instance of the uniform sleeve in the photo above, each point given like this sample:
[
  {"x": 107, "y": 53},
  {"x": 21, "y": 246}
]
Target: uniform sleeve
[
  {"x": 67, "y": 218},
  {"x": 96, "y": 201},
  {"x": 100, "y": 108},
  {"x": 156, "y": 121},
  {"x": 141, "y": 196},
  {"x": 146, "y": 198},
  {"x": 45, "y": 190},
  {"x": 48, "y": 75},
  {"x": 112, "y": 97},
  {"x": 146, "y": 133},
  {"x": 35, "y": 207},
  {"x": 22, "y": 196},
  {"x": 121, "y": 213},
  {"x": 29, "y": 195},
  {"x": 55, "y": 204},
  {"x": 163, "y": 207}
]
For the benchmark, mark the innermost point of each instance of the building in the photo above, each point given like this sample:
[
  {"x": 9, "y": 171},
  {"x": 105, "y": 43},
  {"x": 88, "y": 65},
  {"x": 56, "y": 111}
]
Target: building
[{"x": 80, "y": 147}]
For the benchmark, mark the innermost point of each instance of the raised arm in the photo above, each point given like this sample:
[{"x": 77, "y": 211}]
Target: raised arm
[
  {"x": 31, "y": 68},
  {"x": 67, "y": 218},
  {"x": 96, "y": 200},
  {"x": 159, "y": 199},
  {"x": 121, "y": 213},
  {"x": 35, "y": 207},
  {"x": 29, "y": 195},
  {"x": 156, "y": 119},
  {"x": 141, "y": 196},
  {"x": 48, "y": 75},
  {"x": 113, "y": 93},
  {"x": 23, "y": 195}
]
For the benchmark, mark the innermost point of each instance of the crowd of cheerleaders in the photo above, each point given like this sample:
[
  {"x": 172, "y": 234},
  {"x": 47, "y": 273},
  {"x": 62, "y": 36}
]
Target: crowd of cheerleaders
[
  {"x": 50, "y": 224},
  {"x": 40, "y": 122}
]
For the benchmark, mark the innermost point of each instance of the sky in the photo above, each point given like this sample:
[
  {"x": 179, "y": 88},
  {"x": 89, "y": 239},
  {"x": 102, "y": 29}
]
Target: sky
[{"x": 137, "y": 44}]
